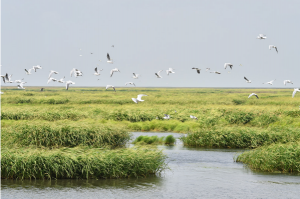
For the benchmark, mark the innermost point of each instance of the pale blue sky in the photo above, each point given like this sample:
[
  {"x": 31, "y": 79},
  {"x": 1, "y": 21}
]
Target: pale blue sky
[{"x": 150, "y": 36}]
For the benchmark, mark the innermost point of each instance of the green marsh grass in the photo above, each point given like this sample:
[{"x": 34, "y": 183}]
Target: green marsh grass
[
  {"x": 144, "y": 139},
  {"x": 273, "y": 158}
]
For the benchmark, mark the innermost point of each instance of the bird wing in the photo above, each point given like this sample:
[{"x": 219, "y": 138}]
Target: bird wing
[
  {"x": 51, "y": 74},
  {"x": 295, "y": 91},
  {"x": 139, "y": 97},
  {"x": 135, "y": 100},
  {"x": 108, "y": 86},
  {"x": 256, "y": 96},
  {"x": 251, "y": 95},
  {"x": 72, "y": 71},
  {"x": 108, "y": 57},
  {"x": 276, "y": 49},
  {"x": 67, "y": 86},
  {"x": 270, "y": 46},
  {"x": 225, "y": 65},
  {"x": 112, "y": 72},
  {"x": 134, "y": 74},
  {"x": 96, "y": 70},
  {"x": 133, "y": 84},
  {"x": 49, "y": 80},
  {"x": 159, "y": 72},
  {"x": 3, "y": 77},
  {"x": 246, "y": 79},
  {"x": 198, "y": 71},
  {"x": 156, "y": 74},
  {"x": 26, "y": 71}
]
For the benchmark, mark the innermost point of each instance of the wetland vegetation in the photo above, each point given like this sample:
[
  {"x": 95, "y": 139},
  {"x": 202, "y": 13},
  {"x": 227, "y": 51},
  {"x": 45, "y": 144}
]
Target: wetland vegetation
[{"x": 38, "y": 126}]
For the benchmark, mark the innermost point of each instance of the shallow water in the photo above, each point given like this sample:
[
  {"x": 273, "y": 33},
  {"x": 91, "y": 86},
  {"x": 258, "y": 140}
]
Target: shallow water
[{"x": 195, "y": 173}]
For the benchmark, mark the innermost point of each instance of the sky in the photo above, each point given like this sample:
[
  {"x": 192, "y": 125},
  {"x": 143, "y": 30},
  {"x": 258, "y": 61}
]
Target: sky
[{"x": 149, "y": 36}]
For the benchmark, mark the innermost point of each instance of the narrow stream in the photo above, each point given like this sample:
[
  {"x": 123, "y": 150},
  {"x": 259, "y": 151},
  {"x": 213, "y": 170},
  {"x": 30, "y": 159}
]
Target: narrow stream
[{"x": 195, "y": 173}]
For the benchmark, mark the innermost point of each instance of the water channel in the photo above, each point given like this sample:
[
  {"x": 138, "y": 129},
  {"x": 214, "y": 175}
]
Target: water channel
[{"x": 194, "y": 173}]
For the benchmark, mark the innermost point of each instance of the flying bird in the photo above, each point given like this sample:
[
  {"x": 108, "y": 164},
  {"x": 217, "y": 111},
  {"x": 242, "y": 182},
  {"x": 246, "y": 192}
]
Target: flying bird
[
  {"x": 158, "y": 74},
  {"x": 170, "y": 71},
  {"x": 97, "y": 72},
  {"x": 247, "y": 80},
  {"x": 295, "y": 91},
  {"x": 270, "y": 82},
  {"x": 61, "y": 80},
  {"x": 113, "y": 70},
  {"x": 51, "y": 73},
  {"x": 36, "y": 67},
  {"x": 197, "y": 69},
  {"x": 167, "y": 117},
  {"x": 287, "y": 81},
  {"x": 51, "y": 79},
  {"x": 76, "y": 72},
  {"x": 261, "y": 36},
  {"x": 193, "y": 117},
  {"x": 68, "y": 84},
  {"x": 18, "y": 81},
  {"x": 135, "y": 76},
  {"x": 3, "y": 78},
  {"x": 8, "y": 78},
  {"x": 20, "y": 86},
  {"x": 110, "y": 86},
  {"x": 207, "y": 69},
  {"x": 129, "y": 83},
  {"x": 228, "y": 64},
  {"x": 252, "y": 95},
  {"x": 28, "y": 72},
  {"x": 108, "y": 59},
  {"x": 139, "y": 98},
  {"x": 272, "y": 46},
  {"x": 216, "y": 72}
]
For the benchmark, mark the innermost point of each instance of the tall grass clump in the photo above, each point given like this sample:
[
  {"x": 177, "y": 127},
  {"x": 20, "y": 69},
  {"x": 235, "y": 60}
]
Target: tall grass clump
[
  {"x": 240, "y": 137},
  {"x": 81, "y": 163},
  {"x": 170, "y": 140},
  {"x": 144, "y": 139},
  {"x": 273, "y": 158},
  {"x": 62, "y": 136}
]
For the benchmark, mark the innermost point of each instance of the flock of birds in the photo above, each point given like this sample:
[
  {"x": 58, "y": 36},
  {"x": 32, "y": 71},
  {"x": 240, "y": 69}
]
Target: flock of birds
[{"x": 77, "y": 73}]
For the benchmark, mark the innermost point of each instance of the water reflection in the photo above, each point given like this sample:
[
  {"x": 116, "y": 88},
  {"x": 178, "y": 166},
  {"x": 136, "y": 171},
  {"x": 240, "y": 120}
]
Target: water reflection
[{"x": 195, "y": 173}]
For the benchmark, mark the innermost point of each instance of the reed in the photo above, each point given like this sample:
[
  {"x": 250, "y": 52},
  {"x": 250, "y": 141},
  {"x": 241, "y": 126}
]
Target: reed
[
  {"x": 81, "y": 163},
  {"x": 273, "y": 158},
  {"x": 144, "y": 139},
  {"x": 236, "y": 137},
  {"x": 47, "y": 135}
]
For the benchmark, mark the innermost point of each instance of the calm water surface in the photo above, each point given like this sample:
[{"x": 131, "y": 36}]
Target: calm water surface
[{"x": 195, "y": 173}]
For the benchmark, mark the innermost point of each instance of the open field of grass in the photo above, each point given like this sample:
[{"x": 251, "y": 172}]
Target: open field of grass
[{"x": 93, "y": 117}]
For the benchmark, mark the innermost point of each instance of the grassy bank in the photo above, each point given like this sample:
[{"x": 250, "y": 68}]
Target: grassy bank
[
  {"x": 144, "y": 139},
  {"x": 80, "y": 162},
  {"x": 273, "y": 158}
]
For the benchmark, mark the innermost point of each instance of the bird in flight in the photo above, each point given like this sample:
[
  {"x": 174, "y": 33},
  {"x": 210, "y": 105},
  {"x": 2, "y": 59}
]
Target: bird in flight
[
  {"x": 295, "y": 91},
  {"x": 68, "y": 84},
  {"x": 18, "y": 81},
  {"x": 61, "y": 80},
  {"x": 261, "y": 36},
  {"x": 28, "y": 72},
  {"x": 252, "y": 95},
  {"x": 247, "y": 80},
  {"x": 197, "y": 69},
  {"x": 170, "y": 71},
  {"x": 76, "y": 72},
  {"x": 270, "y": 82},
  {"x": 113, "y": 70},
  {"x": 135, "y": 76},
  {"x": 272, "y": 46},
  {"x": 110, "y": 86},
  {"x": 158, "y": 74},
  {"x": 228, "y": 64},
  {"x": 287, "y": 81},
  {"x": 20, "y": 86},
  {"x": 216, "y": 72},
  {"x": 51, "y": 73},
  {"x": 36, "y": 67},
  {"x": 139, "y": 98},
  {"x": 97, "y": 72},
  {"x": 131, "y": 83},
  {"x": 51, "y": 79},
  {"x": 110, "y": 61}
]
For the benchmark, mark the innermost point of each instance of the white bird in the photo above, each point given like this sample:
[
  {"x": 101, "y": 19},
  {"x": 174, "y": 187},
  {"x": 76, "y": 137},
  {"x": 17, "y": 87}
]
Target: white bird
[
  {"x": 18, "y": 81},
  {"x": 51, "y": 73},
  {"x": 252, "y": 95},
  {"x": 193, "y": 117},
  {"x": 295, "y": 91},
  {"x": 135, "y": 76},
  {"x": 261, "y": 36},
  {"x": 97, "y": 72},
  {"x": 158, "y": 74},
  {"x": 167, "y": 117},
  {"x": 76, "y": 72},
  {"x": 215, "y": 72},
  {"x": 139, "y": 98},
  {"x": 247, "y": 80},
  {"x": 287, "y": 81},
  {"x": 228, "y": 64},
  {"x": 8, "y": 78},
  {"x": 272, "y": 46},
  {"x": 113, "y": 70},
  {"x": 197, "y": 69},
  {"x": 207, "y": 69},
  {"x": 68, "y": 83},
  {"x": 28, "y": 72},
  {"x": 20, "y": 86},
  {"x": 170, "y": 71},
  {"x": 110, "y": 86},
  {"x": 108, "y": 59},
  {"x": 270, "y": 82},
  {"x": 61, "y": 80},
  {"x": 51, "y": 79},
  {"x": 129, "y": 83},
  {"x": 36, "y": 67}
]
